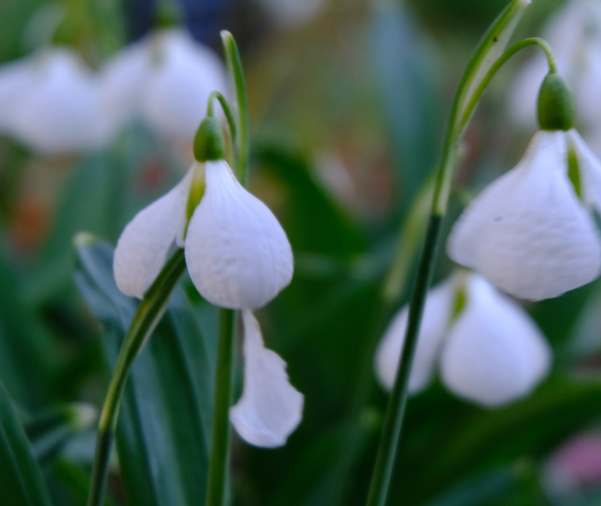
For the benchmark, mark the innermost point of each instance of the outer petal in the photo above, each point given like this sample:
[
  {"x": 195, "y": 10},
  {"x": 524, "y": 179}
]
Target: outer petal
[
  {"x": 61, "y": 112},
  {"x": 270, "y": 408},
  {"x": 237, "y": 253},
  {"x": 145, "y": 242},
  {"x": 121, "y": 83},
  {"x": 527, "y": 232},
  {"x": 590, "y": 171},
  {"x": 435, "y": 323},
  {"x": 494, "y": 353},
  {"x": 179, "y": 84}
]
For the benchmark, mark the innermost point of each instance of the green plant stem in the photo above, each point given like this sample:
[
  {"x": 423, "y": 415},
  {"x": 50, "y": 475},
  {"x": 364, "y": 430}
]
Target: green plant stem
[
  {"x": 227, "y": 111},
  {"x": 145, "y": 320},
  {"x": 487, "y": 60},
  {"x": 220, "y": 438},
  {"x": 234, "y": 63}
]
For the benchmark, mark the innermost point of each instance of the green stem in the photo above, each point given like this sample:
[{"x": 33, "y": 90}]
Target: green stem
[
  {"x": 227, "y": 110},
  {"x": 219, "y": 461},
  {"x": 234, "y": 63},
  {"x": 145, "y": 320},
  {"x": 488, "y": 58}
]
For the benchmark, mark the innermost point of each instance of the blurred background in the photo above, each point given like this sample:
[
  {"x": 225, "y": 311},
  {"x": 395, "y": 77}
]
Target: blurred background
[{"x": 348, "y": 103}]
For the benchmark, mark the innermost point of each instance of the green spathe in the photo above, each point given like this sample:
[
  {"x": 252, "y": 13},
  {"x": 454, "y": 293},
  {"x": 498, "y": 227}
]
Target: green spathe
[
  {"x": 208, "y": 141},
  {"x": 555, "y": 104}
]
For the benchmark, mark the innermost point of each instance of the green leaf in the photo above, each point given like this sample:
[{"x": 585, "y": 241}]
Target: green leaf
[
  {"x": 162, "y": 434},
  {"x": 469, "y": 439},
  {"x": 21, "y": 481}
]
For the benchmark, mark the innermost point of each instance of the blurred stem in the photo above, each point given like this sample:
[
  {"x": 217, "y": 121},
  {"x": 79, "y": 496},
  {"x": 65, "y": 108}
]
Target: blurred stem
[
  {"x": 220, "y": 438},
  {"x": 234, "y": 63},
  {"x": 145, "y": 320},
  {"x": 486, "y": 61}
]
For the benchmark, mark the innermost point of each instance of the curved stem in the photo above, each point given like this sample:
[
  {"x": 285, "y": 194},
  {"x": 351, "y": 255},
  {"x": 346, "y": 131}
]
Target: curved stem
[
  {"x": 145, "y": 320},
  {"x": 503, "y": 59},
  {"x": 220, "y": 438},
  {"x": 227, "y": 111},
  {"x": 232, "y": 56},
  {"x": 488, "y": 58}
]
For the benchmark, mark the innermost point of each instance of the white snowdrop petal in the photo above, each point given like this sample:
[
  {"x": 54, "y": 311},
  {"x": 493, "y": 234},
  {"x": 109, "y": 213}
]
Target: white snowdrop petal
[
  {"x": 527, "y": 232},
  {"x": 590, "y": 170},
  {"x": 494, "y": 354},
  {"x": 179, "y": 83},
  {"x": 237, "y": 253},
  {"x": 435, "y": 319},
  {"x": 122, "y": 82},
  {"x": 61, "y": 111},
  {"x": 145, "y": 242},
  {"x": 270, "y": 408}
]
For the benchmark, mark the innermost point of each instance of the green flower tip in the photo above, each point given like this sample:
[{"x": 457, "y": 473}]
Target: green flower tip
[
  {"x": 208, "y": 141},
  {"x": 83, "y": 239},
  {"x": 555, "y": 104},
  {"x": 82, "y": 416}
]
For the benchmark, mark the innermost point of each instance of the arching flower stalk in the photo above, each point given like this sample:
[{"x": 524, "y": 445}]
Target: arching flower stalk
[
  {"x": 487, "y": 348},
  {"x": 574, "y": 33},
  {"x": 531, "y": 232}
]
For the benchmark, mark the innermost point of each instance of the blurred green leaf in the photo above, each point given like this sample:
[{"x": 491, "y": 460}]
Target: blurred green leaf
[
  {"x": 403, "y": 73},
  {"x": 21, "y": 481},
  {"x": 27, "y": 356},
  {"x": 470, "y": 439},
  {"x": 162, "y": 435}
]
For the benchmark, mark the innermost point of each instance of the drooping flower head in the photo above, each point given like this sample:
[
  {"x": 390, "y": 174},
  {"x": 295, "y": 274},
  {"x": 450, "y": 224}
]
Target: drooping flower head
[
  {"x": 238, "y": 257},
  {"x": 486, "y": 347},
  {"x": 531, "y": 231},
  {"x": 165, "y": 78}
]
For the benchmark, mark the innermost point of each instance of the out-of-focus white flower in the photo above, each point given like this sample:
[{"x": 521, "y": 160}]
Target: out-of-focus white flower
[
  {"x": 575, "y": 36},
  {"x": 238, "y": 256},
  {"x": 166, "y": 78},
  {"x": 292, "y": 12},
  {"x": 51, "y": 103},
  {"x": 488, "y": 349},
  {"x": 530, "y": 232},
  {"x": 270, "y": 408}
]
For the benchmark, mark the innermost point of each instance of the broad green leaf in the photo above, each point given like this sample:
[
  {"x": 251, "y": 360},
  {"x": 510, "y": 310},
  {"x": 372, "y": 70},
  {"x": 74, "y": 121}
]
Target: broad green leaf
[
  {"x": 162, "y": 435},
  {"x": 21, "y": 482}
]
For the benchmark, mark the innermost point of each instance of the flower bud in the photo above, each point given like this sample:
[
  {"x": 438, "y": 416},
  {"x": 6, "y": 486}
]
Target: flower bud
[
  {"x": 208, "y": 141},
  {"x": 555, "y": 104}
]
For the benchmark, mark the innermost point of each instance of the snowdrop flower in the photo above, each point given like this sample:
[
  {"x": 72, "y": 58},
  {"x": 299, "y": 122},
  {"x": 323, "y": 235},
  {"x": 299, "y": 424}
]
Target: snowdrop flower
[
  {"x": 575, "y": 36},
  {"x": 487, "y": 348},
  {"x": 531, "y": 231},
  {"x": 52, "y": 103},
  {"x": 238, "y": 256},
  {"x": 166, "y": 78}
]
